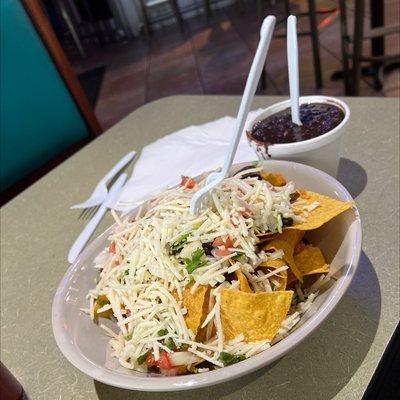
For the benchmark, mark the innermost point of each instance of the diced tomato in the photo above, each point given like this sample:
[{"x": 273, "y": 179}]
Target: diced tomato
[
  {"x": 164, "y": 362},
  {"x": 247, "y": 214},
  {"x": 187, "y": 182},
  {"x": 150, "y": 361},
  {"x": 128, "y": 313},
  {"x": 222, "y": 253},
  {"x": 223, "y": 241},
  {"x": 112, "y": 248},
  {"x": 222, "y": 245}
]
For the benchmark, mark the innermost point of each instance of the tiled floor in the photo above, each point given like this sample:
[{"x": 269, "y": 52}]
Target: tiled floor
[{"x": 215, "y": 57}]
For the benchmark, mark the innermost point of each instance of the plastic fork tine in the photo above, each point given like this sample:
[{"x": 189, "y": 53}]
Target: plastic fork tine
[
  {"x": 92, "y": 211},
  {"x": 87, "y": 212},
  {"x": 82, "y": 215},
  {"x": 100, "y": 191}
]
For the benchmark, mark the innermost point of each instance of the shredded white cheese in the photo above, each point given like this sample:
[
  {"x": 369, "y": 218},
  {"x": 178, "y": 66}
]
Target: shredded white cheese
[{"x": 152, "y": 257}]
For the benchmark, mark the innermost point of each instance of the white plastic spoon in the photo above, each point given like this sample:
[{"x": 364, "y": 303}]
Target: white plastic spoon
[
  {"x": 247, "y": 99},
  {"x": 293, "y": 66}
]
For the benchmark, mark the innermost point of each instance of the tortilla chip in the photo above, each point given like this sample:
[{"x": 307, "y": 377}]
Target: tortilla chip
[
  {"x": 243, "y": 282},
  {"x": 274, "y": 178},
  {"x": 328, "y": 208},
  {"x": 105, "y": 314},
  {"x": 257, "y": 315},
  {"x": 311, "y": 261},
  {"x": 287, "y": 242},
  {"x": 275, "y": 264},
  {"x": 300, "y": 247},
  {"x": 196, "y": 305}
]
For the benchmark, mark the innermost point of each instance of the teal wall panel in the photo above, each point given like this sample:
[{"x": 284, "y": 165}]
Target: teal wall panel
[{"x": 39, "y": 118}]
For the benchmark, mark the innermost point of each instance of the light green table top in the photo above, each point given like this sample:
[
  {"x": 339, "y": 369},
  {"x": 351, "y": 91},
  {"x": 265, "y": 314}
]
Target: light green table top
[{"x": 337, "y": 361}]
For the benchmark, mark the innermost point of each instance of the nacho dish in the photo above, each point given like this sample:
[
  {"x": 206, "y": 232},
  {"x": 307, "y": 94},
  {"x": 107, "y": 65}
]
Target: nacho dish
[{"x": 189, "y": 293}]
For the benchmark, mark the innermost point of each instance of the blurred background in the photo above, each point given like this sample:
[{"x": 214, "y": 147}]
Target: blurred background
[{"x": 71, "y": 69}]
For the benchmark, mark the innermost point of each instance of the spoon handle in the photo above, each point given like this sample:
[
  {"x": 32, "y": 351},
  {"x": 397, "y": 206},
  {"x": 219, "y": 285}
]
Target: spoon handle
[
  {"x": 293, "y": 63},
  {"x": 250, "y": 89}
]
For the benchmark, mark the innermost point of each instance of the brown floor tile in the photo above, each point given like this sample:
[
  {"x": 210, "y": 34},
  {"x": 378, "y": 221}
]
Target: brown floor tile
[
  {"x": 172, "y": 82},
  {"x": 224, "y": 63},
  {"x": 391, "y": 84},
  {"x": 395, "y": 92},
  {"x": 164, "y": 62},
  {"x": 111, "y": 108}
]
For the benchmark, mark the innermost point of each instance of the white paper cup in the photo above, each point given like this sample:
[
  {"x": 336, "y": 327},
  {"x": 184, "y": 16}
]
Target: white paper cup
[{"x": 322, "y": 152}]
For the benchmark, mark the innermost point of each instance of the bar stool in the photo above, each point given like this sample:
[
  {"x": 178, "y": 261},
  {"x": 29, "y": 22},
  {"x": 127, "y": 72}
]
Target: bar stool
[
  {"x": 378, "y": 60},
  {"x": 312, "y": 14},
  {"x": 146, "y": 5}
]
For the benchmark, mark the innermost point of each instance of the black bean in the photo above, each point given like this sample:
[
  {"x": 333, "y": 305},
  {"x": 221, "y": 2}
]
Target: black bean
[
  {"x": 207, "y": 247},
  {"x": 294, "y": 196},
  {"x": 287, "y": 221}
]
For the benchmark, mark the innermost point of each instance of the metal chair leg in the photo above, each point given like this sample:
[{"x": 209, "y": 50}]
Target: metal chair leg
[
  {"x": 146, "y": 27},
  {"x": 71, "y": 28},
  {"x": 178, "y": 16},
  {"x": 287, "y": 8},
  {"x": 345, "y": 46},
  {"x": 207, "y": 9},
  {"x": 357, "y": 46},
  {"x": 315, "y": 43},
  {"x": 260, "y": 10},
  {"x": 263, "y": 80}
]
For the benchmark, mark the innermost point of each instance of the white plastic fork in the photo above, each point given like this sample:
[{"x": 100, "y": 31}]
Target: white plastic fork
[
  {"x": 251, "y": 85},
  {"x": 100, "y": 191},
  {"x": 293, "y": 66}
]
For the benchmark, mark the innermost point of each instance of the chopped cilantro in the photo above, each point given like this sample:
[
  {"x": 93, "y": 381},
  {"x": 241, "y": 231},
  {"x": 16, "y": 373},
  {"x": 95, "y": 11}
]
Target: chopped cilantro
[
  {"x": 279, "y": 223},
  {"x": 238, "y": 255},
  {"x": 179, "y": 243},
  {"x": 128, "y": 337},
  {"x": 162, "y": 332},
  {"x": 141, "y": 359},
  {"x": 170, "y": 343},
  {"x": 183, "y": 347},
  {"x": 196, "y": 261},
  {"x": 229, "y": 359},
  {"x": 126, "y": 272}
]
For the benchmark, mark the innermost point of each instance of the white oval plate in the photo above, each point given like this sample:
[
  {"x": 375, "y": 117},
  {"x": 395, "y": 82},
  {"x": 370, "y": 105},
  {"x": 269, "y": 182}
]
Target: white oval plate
[{"x": 85, "y": 344}]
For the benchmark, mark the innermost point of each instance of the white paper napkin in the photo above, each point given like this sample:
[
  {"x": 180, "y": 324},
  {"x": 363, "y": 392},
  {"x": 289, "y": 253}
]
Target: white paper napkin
[{"x": 190, "y": 151}]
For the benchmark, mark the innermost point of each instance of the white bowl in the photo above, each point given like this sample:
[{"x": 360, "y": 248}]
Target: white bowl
[
  {"x": 85, "y": 344},
  {"x": 321, "y": 152}
]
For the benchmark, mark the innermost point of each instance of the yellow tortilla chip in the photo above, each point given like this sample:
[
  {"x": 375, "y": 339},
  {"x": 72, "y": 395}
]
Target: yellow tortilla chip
[
  {"x": 99, "y": 303},
  {"x": 328, "y": 208},
  {"x": 275, "y": 264},
  {"x": 196, "y": 305},
  {"x": 311, "y": 261},
  {"x": 243, "y": 282},
  {"x": 287, "y": 242},
  {"x": 257, "y": 315},
  {"x": 274, "y": 178}
]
